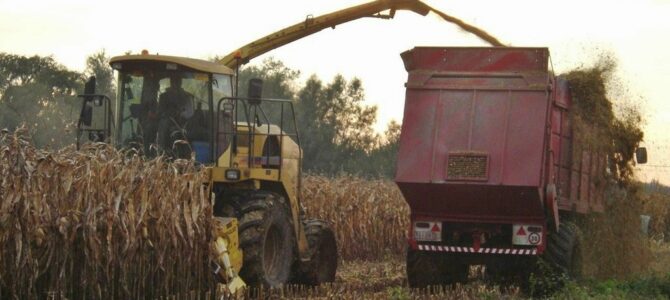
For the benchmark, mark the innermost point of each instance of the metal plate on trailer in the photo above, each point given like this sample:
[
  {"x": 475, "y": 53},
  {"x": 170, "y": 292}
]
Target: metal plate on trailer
[
  {"x": 428, "y": 231},
  {"x": 526, "y": 235}
]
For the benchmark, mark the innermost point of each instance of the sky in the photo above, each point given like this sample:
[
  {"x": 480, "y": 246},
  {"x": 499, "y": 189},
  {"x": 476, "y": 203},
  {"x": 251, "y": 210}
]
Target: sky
[{"x": 635, "y": 32}]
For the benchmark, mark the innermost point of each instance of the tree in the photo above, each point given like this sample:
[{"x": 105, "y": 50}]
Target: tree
[
  {"x": 41, "y": 93},
  {"x": 97, "y": 64},
  {"x": 279, "y": 82},
  {"x": 278, "y": 79},
  {"x": 34, "y": 91},
  {"x": 334, "y": 124},
  {"x": 384, "y": 157},
  {"x": 337, "y": 127},
  {"x": 317, "y": 137}
]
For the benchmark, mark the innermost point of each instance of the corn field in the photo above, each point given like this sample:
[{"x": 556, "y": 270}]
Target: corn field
[
  {"x": 370, "y": 217},
  {"x": 103, "y": 223},
  {"x": 99, "y": 223}
]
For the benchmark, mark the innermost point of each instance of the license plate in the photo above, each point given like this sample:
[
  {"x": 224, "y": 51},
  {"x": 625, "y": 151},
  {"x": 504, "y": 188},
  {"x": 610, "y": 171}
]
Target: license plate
[{"x": 427, "y": 235}]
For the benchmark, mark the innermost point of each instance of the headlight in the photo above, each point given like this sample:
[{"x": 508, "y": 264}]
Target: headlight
[{"x": 233, "y": 174}]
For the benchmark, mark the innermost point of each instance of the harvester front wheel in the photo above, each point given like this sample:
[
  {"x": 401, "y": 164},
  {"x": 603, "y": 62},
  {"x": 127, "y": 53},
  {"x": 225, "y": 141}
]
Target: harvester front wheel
[
  {"x": 266, "y": 239},
  {"x": 322, "y": 265}
]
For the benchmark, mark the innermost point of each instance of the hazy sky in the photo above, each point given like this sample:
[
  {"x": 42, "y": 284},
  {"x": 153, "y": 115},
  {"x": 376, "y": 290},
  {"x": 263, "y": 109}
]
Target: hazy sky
[{"x": 636, "y": 32}]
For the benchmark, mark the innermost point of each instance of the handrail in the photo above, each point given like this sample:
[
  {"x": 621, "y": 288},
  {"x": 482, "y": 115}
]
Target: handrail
[
  {"x": 234, "y": 132},
  {"x": 108, "y": 121}
]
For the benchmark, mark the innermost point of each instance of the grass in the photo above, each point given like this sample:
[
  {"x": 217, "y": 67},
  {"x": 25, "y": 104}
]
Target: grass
[{"x": 646, "y": 287}]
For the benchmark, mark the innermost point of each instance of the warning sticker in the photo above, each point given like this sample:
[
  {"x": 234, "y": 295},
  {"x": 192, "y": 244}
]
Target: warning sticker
[
  {"x": 534, "y": 238},
  {"x": 521, "y": 231},
  {"x": 526, "y": 235},
  {"x": 428, "y": 231}
]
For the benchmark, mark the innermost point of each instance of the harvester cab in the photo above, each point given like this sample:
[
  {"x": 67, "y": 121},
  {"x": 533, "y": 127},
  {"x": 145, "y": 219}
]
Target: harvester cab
[
  {"x": 164, "y": 104},
  {"x": 249, "y": 146}
]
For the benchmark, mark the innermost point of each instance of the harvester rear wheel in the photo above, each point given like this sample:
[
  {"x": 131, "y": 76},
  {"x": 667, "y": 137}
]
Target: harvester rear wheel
[
  {"x": 564, "y": 251},
  {"x": 266, "y": 239},
  {"x": 323, "y": 255}
]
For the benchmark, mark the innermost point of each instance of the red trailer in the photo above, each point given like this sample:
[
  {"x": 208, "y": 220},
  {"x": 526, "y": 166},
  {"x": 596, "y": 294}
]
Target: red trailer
[{"x": 487, "y": 162}]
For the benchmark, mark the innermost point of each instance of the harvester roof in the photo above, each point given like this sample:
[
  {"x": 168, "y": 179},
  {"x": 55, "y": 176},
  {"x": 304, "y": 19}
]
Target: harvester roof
[{"x": 192, "y": 63}]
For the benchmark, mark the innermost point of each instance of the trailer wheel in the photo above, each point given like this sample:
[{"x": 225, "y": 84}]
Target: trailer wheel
[
  {"x": 509, "y": 270},
  {"x": 422, "y": 269},
  {"x": 266, "y": 239},
  {"x": 428, "y": 268},
  {"x": 455, "y": 270},
  {"x": 323, "y": 255},
  {"x": 564, "y": 252}
]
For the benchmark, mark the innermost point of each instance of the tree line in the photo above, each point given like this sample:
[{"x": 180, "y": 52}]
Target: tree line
[
  {"x": 335, "y": 126},
  {"x": 39, "y": 93}
]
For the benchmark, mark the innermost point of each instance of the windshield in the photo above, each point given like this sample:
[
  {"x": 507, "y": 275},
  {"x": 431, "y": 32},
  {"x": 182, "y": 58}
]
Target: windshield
[{"x": 169, "y": 111}]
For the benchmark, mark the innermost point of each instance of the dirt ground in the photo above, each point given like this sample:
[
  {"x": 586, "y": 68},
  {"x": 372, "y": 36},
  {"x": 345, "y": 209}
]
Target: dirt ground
[{"x": 386, "y": 279}]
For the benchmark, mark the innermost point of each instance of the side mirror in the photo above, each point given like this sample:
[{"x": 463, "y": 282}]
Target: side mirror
[
  {"x": 86, "y": 116},
  {"x": 641, "y": 155},
  {"x": 255, "y": 91},
  {"x": 89, "y": 87}
]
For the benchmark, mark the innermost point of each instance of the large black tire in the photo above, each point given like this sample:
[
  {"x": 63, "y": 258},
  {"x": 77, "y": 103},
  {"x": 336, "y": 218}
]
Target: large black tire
[
  {"x": 455, "y": 270},
  {"x": 322, "y": 265},
  {"x": 429, "y": 269},
  {"x": 563, "y": 251},
  {"x": 508, "y": 271},
  {"x": 266, "y": 239}
]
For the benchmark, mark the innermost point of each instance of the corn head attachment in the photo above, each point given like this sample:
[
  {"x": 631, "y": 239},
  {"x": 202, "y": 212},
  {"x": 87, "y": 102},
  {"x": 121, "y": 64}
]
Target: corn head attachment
[{"x": 228, "y": 255}]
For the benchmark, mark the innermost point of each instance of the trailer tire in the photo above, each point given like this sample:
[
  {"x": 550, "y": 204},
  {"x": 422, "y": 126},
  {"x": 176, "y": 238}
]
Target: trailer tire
[
  {"x": 322, "y": 265},
  {"x": 563, "y": 251},
  {"x": 500, "y": 273},
  {"x": 509, "y": 270},
  {"x": 422, "y": 269},
  {"x": 426, "y": 269},
  {"x": 266, "y": 239},
  {"x": 455, "y": 270}
]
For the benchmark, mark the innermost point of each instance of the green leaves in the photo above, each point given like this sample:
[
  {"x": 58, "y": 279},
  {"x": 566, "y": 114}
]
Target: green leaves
[
  {"x": 41, "y": 93},
  {"x": 335, "y": 125}
]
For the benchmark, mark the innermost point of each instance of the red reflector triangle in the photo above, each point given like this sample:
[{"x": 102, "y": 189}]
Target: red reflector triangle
[
  {"x": 435, "y": 228},
  {"x": 521, "y": 231}
]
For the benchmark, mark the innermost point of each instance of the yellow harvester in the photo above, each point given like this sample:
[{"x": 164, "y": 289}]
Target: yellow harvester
[{"x": 183, "y": 107}]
